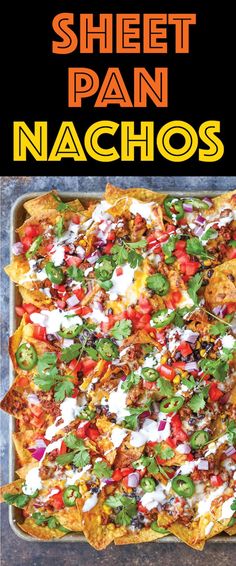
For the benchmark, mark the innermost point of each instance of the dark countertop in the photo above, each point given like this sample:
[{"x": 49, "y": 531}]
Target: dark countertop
[{"x": 15, "y": 551}]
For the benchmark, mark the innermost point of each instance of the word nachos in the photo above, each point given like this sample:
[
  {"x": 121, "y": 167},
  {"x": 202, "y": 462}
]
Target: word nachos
[{"x": 124, "y": 357}]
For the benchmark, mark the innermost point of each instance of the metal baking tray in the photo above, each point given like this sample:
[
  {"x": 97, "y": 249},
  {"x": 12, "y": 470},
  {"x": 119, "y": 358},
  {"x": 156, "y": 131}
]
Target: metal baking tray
[{"x": 18, "y": 215}]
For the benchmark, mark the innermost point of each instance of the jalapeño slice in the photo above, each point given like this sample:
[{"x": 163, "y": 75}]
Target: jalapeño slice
[
  {"x": 150, "y": 374},
  {"x": 70, "y": 332},
  {"x": 171, "y": 405},
  {"x": 148, "y": 484},
  {"x": 183, "y": 486},
  {"x": 162, "y": 318},
  {"x": 55, "y": 274},
  {"x": 197, "y": 203},
  {"x": 158, "y": 283},
  {"x": 34, "y": 247},
  {"x": 70, "y": 495},
  {"x": 26, "y": 356},
  {"x": 104, "y": 268},
  {"x": 161, "y": 530},
  {"x": 199, "y": 439},
  {"x": 173, "y": 207},
  {"x": 107, "y": 349}
]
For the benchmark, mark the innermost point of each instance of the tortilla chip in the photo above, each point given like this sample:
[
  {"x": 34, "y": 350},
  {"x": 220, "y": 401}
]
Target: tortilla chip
[
  {"x": 113, "y": 194},
  {"x": 17, "y": 270},
  {"x": 70, "y": 518},
  {"x": 222, "y": 286},
  {"x": 35, "y": 297},
  {"x": 43, "y": 533},
  {"x": 231, "y": 530},
  {"x": 144, "y": 535},
  {"x": 22, "y": 472},
  {"x": 97, "y": 534},
  {"x": 14, "y": 487},
  {"x": 223, "y": 199},
  {"x": 21, "y": 440},
  {"x": 185, "y": 534}
]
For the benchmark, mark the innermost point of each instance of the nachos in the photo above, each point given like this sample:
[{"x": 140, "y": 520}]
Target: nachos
[{"x": 124, "y": 393}]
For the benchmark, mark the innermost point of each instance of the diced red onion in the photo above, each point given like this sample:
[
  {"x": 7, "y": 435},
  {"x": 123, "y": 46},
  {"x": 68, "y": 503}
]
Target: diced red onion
[
  {"x": 38, "y": 453},
  {"x": 192, "y": 338},
  {"x": 183, "y": 448},
  {"x": 191, "y": 366},
  {"x": 93, "y": 258},
  {"x": 203, "y": 465},
  {"x": 223, "y": 400},
  {"x": 145, "y": 414},
  {"x": 188, "y": 207},
  {"x": 80, "y": 252},
  {"x": 230, "y": 451},
  {"x": 98, "y": 306},
  {"x": 133, "y": 479},
  {"x": 200, "y": 220},
  {"x": 108, "y": 481},
  {"x": 220, "y": 310},
  {"x": 33, "y": 399},
  {"x": 198, "y": 231},
  {"x": 123, "y": 377},
  {"x": 208, "y": 201},
  {"x": 162, "y": 425},
  {"x": 17, "y": 248},
  {"x": 72, "y": 301},
  {"x": 39, "y": 443}
]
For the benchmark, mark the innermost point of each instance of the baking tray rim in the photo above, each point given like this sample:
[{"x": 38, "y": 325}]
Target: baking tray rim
[{"x": 69, "y": 195}]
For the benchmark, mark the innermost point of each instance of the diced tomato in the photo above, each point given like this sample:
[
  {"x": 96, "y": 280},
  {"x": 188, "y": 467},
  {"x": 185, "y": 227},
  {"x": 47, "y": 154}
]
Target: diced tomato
[
  {"x": 138, "y": 219},
  {"x": 61, "y": 304},
  {"x": 176, "y": 423},
  {"x": 19, "y": 311},
  {"x": 216, "y": 480},
  {"x": 117, "y": 475},
  {"x": 149, "y": 385},
  {"x": 63, "y": 448},
  {"x": 144, "y": 305},
  {"x": 32, "y": 231},
  {"x": 26, "y": 241},
  {"x": 185, "y": 349},
  {"x": 170, "y": 228},
  {"x": 82, "y": 430},
  {"x": 22, "y": 382},
  {"x": 231, "y": 308},
  {"x": 36, "y": 410},
  {"x": 75, "y": 366},
  {"x": 75, "y": 392},
  {"x": 189, "y": 457},
  {"x": 119, "y": 271},
  {"x": 29, "y": 308},
  {"x": 214, "y": 392},
  {"x": 108, "y": 247},
  {"x": 73, "y": 260},
  {"x": 37, "y": 422},
  {"x": 141, "y": 508},
  {"x": 180, "y": 245},
  {"x": 167, "y": 372},
  {"x": 57, "y": 501},
  {"x": 191, "y": 267},
  {"x": 39, "y": 332},
  {"x": 178, "y": 432},
  {"x": 75, "y": 219},
  {"x": 231, "y": 253},
  {"x": 82, "y": 310},
  {"x": 111, "y": 236},
  {"x": 88, "y": 365},
  {"x": 79, "y": 293},
  {"x": 179, "y": 365},
  {"x": 93, "y": 432},
  {"x": 59, "y": 288},
  {"x": 49, "y": 247},
  {"x": 171, "y": 442}
]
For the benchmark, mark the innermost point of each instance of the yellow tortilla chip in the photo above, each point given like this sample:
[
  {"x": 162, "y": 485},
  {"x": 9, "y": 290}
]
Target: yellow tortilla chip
[
  {"x": 17, "y": 270},
  {"x": 43, "y": 533},
  {"x": 14, "y": 487},
  {"x": 70, "y": 518},
  {"x": 222, "y": 286},
  {"x": 186, "y": 535},
  {"x": 113, "y": 194},
  {"x": 35, "y": 297},
  {"x": 97, "y": 534},
  {"x": 144, "y": 535},
  {"x": 21, "y": 440}
]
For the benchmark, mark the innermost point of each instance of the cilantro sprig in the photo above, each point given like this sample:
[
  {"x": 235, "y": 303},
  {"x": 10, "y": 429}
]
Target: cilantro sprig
[
  {"x": 131, "y": 380},
  {"x": 102, "y": 470},
  {"x": 195, "y": 247},
  {"x": 78, "y": 455},
  {"x": 126, "y": 252},
  {"x": 51, "y": 522},
  {"x": 48, "y": 377},
  {"x": 121, "y": 329},
  {"x": 126, "y": 507},
  {"x": 164, "y": 452},
  {"x": 194, "y": 286}
]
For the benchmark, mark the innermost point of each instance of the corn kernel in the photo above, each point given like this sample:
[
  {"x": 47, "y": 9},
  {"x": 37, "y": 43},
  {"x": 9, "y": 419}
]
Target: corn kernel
[
  {"x": 82, "y": 243},
  {"x": 106, "y": 509},
  {"x": 164, "y": 358},
  {"x": 184, "y": 373},
  {"x": 176, "y": 379},
  {"x": 202, "y": 353},
  {"x": 198, "y": 344},
  {"x": 207, "y": 262}
]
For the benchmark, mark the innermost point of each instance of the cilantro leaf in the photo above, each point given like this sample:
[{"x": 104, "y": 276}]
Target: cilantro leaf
[
  {"x": 134, "y": 259},
  {"x": 197, "y": 401},
  {"x": 169, "y": 246},
  {"x": 194, "y": 286},
  {"x": 63, "y": 389},
  {"x": 135, "y": 245},
  {"x": 131, "y": 380},
  {"x": 73, "y": 442},
  {"x": 75, "y": 273},
  {"x": 195, "y": 247},
  {"x": 81, "y": 458},
  {"x": 233, "y": 505},
  {"x": 165, "y": 387},
  {"x": 179, "y": 316},
  {"x": 52, "y": 522},
  {"x": 190, "y": 382},
  {"x": 232, "y": 243},
  {"x": 128, "y": 508},
  {"x": 218, "y": 329},
  {"x": 120, "y": 254},
  {"x": 59, "y": 228},
  {"x": 121, "y": 329},
  {"x": 34, "y": 247},
  {"x": 231, "y": 431},
  {"x": 218, "y": 368},
  {"x": 39, "y": 518},
  {"x": 102, "y": 470},
  {"x": 18, "y": 499},
  {"x": 210, "y": 234},
  {"x": 69, "y": 354},
  {"x": 131, "y": 420},
  {"x": 64, "y": 459},
  {"x": 165, "y": 453},
  {"x": 115, "y": 501},
  {"x": 92, "y": 353}
]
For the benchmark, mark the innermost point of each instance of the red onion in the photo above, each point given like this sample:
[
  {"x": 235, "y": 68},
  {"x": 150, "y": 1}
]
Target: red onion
[
  {"x": 192, "y": 338},
  {"x": 208, "y": 201},
  {"x": 230, "y": 451},
  {"x": 17, "y": 248},
  {"x": 203, "y": 465},
  {"x": 183, "y": 448},
  {"x": 223, "y": 400},
  {"x": 33, "y": 399},
  {"x": 39, "y": 443},
  {"x": 80, "y": 252},
  {"x": 220, "y": 310},
  {"x": 133, "y": 479},
  {"x": 108, "y": 481},
  {"x": 188, "y": 207},
  {"x": 145, "y": 414},
  {"x": 191, "y": 366},
  {"x": 38, "y": 453},
  {"x": 123, "y": 377},
  {"x": 198, "y": 231},
  {"x": 162, "y": 425},
  {"x": 93, "y": 258},
  {"x": 200, "y": 220},
  {"x": 72, "y": 301}
]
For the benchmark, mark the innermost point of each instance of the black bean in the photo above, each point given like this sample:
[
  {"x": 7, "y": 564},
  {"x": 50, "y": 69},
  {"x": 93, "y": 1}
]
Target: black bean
[{"x": 210, "y": 273}]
